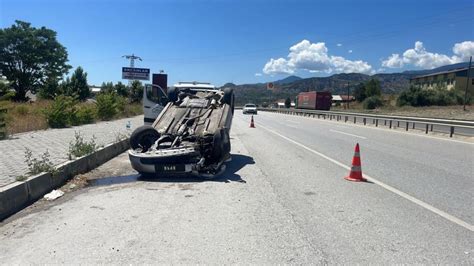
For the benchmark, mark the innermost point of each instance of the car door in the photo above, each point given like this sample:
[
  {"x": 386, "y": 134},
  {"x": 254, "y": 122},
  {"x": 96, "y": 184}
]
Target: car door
[{"x": 154, "y": 100}]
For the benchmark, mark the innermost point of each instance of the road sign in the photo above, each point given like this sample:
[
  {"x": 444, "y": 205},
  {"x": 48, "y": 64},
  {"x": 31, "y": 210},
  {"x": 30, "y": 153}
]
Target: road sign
[
  {"x": 270, "y": 86},
  {"x": 135, "y": 73}
]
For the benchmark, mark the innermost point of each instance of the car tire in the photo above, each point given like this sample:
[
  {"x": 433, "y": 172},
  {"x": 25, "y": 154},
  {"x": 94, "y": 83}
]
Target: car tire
[
  {"x": 173, "y": 94},
  {"x": 143, "y": 137},
  {"x": 227, "y": 98}
]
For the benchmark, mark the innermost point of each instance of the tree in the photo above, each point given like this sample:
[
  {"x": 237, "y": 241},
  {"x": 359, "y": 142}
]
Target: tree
[
  {"x": 359, "y": 92},
  {"x": 107, "y": 87},
  {"x": 29, "y": 56},
  {"x": 121, "y": 89},
  {"x": 78, "y": 85},
  {"x": 288, "y": 102},
  {"x": 136, "y": 91},
  {"x": 50, "y": 89},
  {"x": 372, "y": 88}
]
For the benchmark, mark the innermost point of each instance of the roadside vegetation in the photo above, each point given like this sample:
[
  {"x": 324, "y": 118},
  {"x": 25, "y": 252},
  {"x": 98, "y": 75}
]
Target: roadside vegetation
[
  {"x": 35, "y": 65},
  {"x": 80, "y": 147}
]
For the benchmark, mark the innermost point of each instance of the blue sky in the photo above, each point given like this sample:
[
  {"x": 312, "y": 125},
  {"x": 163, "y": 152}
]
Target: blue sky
[{"x": 234, "y": 41}]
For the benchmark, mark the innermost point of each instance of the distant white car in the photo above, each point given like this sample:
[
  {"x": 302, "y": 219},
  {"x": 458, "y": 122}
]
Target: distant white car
[{"x": 249, "y": 108}]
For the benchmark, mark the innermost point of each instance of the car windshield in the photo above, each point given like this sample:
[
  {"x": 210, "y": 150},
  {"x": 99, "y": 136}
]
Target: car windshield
[{"x": 250, "y": 105}]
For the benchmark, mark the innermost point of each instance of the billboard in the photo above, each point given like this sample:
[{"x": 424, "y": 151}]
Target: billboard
[{"x": 135, "y": 73}]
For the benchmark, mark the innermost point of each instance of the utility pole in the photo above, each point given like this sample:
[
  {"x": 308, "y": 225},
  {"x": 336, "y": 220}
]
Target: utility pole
[
  {"x": 132, "y": 58},
  {"x": 467, "y": 83},
  {"x": 348, "y": 97}
]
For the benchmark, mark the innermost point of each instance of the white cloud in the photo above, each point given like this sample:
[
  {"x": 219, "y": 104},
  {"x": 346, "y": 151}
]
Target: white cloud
[
  {"x": 258, "y": 74},
  {"x": 350, "y": 51},
  {"x": 420, "y": 57},
  {"x": 464, "y": 50},
  {"x": 339, "y": 44},
  {"x": 314, "y": 57},
  {"x": 277, "y": 66}
]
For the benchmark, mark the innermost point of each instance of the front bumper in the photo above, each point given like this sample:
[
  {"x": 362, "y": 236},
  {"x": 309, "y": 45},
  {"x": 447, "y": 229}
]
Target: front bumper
[
  {"x": 250, "y": 112},
  {"x": 165, "y": 162}
]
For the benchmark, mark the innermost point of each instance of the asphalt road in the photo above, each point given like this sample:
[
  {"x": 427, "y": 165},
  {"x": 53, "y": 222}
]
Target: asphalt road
[{"x": 282, "y": 199}]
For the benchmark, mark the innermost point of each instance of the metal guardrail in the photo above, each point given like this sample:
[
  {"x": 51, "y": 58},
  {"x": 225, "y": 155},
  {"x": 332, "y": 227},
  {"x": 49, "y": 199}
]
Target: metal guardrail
[
  {"x": 428, "y": 123},
  {"x": 3, "y": 125}
]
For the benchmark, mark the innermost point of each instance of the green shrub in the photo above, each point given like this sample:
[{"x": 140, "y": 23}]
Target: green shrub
[
  {"x": 107, "y": 105},
  {"x": 61, "y": 112},
  {"x": 439, "y": 95},
  {"x": 372, "y": 102},
  {"x": 39, "y": 165},
  {"x": 79, "y": 147},
  {"x": 86, "y": 114}
]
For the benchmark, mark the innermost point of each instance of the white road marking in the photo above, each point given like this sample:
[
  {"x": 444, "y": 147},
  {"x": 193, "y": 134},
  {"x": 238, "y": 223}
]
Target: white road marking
[
  {"x": 291, "y": 126},
  {"x": 349, "y": 134},
  {"x": 402, "y": 194},
  {"x": 387, "y": 129},
  {"x": 287, "y": 120}
]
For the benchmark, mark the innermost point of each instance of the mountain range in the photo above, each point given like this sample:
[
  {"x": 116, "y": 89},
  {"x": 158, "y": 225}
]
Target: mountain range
[{"x": 391, "y": 83}]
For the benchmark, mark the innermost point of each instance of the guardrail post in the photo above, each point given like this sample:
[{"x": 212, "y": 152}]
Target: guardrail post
[
  {"x": 427, "y": 125},
  {"x": 431, "y": 129},
  {"x": 364, "y": 121},
  {"x": 385, "y": 122},
  {"x": 345, "y": 119},
  {"x": 398, "y": 123},
  {"x": 413, "y": 125},
  {"x": 451, "y": 132},
  {"x": 406, "y": 126},
  {"x": 324, "y": 116},
  {"x": 390, "y": 124},
  {"x": 355, "y": 119},
  {"x": 376, "y": 122}
]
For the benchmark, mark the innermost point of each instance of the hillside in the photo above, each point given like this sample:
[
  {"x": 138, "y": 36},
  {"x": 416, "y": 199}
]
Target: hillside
[
  {"x": 336, "y": 84},
  {"x": 391, "y": 83}
]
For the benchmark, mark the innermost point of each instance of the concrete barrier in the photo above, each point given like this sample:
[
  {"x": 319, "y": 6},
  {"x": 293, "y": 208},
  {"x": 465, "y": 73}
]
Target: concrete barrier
[{"x": 18, "y": 195}]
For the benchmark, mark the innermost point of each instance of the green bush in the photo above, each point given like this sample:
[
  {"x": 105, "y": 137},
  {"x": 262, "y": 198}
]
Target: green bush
[
  {"x": 39, "y": 165},
  {"x": 439, "y": 95},
  {"x": 372, "y": 102},
  {"x": 86, "y": 114},
  {"x": 108, "y": 105},
  {"x": 79, "y": 147},
  {"x": 61, "y": 112}
]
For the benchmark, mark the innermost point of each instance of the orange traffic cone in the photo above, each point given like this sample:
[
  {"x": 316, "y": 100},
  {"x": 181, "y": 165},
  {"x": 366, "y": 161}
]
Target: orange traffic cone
[
  {"x": 252, "y": 125},
  {"x": 356, "y": 169}
]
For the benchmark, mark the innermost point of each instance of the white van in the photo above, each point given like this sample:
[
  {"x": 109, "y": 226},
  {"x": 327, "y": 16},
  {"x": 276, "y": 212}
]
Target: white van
[{"x": 155, "y": 98}]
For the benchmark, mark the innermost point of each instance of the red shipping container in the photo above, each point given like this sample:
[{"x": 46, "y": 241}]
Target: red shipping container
[{"x": 320, "y": 100}]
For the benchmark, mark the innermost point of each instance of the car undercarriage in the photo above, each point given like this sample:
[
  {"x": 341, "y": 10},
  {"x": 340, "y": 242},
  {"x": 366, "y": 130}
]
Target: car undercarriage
[{"x": 190, "y": 136}]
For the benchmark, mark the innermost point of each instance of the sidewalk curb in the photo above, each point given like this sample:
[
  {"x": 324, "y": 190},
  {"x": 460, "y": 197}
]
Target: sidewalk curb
[{"x": 16, "y": 196}]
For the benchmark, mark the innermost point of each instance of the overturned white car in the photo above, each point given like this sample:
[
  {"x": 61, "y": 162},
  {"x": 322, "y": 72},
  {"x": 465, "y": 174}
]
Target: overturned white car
[{"x": 190, "y": 135}]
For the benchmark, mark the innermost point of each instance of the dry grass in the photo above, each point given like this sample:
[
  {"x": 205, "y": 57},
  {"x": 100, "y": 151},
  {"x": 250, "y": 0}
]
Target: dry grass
[
  {"x": 446, "y": 112},
  {"x": 24, "y": 117}
]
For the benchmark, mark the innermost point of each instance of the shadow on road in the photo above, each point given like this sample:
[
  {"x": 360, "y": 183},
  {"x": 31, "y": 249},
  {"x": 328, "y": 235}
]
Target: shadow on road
[{"x": 230, "y": 175}]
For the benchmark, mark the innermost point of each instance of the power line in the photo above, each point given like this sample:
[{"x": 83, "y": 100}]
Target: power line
[{"x": 132, "y": 59}]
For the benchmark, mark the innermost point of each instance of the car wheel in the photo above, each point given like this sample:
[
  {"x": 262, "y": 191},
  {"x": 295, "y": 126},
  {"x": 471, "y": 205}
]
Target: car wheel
[
  {"x": 227, "y": 98},
  {"x": 173, "y": 94},
  {"x": 143, "y": 137}
]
